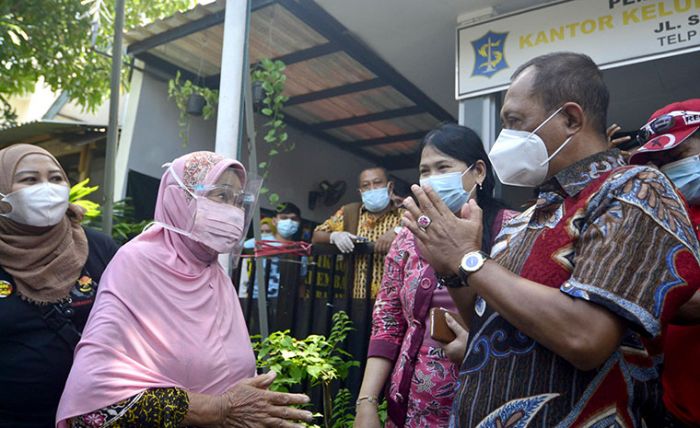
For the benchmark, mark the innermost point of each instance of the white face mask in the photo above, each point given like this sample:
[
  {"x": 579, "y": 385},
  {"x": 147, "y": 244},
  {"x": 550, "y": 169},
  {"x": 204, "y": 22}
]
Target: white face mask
[
  {"x": 39, "y": 205},
  {"x": 520, "y": 157}
]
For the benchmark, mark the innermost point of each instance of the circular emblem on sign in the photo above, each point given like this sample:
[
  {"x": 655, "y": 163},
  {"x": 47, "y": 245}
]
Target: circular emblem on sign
[{"x": 5, "y": 289}]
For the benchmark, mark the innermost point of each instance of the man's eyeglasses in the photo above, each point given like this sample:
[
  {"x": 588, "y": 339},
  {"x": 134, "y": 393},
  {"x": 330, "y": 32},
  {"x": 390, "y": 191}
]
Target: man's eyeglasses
[{"x": 666, "y": 123}]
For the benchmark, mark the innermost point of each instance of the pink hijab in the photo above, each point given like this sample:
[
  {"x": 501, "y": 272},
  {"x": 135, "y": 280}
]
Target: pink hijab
[{"x": 166, "y": 313}]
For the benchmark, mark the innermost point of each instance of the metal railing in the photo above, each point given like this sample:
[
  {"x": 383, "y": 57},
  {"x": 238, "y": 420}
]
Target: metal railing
[{"x": 305, "y": 304}]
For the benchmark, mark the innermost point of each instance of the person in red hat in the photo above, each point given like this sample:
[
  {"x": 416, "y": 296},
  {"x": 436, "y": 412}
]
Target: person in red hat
[{"x": 671, "y": 141}]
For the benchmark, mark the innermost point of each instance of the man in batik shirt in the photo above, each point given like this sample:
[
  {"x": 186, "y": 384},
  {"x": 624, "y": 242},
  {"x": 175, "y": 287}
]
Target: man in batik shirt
[
  {"x": 377, "y": 219},
  {"x": 565, "y": 313}
]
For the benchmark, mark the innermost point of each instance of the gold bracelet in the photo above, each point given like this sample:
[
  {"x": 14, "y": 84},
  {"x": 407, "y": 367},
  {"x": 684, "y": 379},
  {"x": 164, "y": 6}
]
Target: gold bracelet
[{"x": 369, "y": 398}]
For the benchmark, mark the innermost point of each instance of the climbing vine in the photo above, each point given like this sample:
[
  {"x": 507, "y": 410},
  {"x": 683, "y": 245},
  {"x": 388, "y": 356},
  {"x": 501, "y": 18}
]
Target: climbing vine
[{"x": 270, "y": 75}]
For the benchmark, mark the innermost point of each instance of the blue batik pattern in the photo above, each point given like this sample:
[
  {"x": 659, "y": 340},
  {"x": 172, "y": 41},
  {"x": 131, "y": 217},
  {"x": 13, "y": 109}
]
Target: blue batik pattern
[
  {"x": 649, "y": 190},
  {"x": 516, "y": 413},
  {"x": 624, "y": 308}
]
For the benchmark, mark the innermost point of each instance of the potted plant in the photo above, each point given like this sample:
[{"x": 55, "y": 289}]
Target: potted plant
[
  {"x": 191, "y": 99},
  {"x": 318, "y": 359},
  {"x": 195, "y": 104}
]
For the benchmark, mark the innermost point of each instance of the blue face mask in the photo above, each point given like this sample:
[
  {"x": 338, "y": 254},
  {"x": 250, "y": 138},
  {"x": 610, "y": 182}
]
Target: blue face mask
[
  {"x": 450, "y": 189},
  {"x": 376, "y": 200},
  {"x": 287, "y": 228},
  {"x": 685, "y": 174}
]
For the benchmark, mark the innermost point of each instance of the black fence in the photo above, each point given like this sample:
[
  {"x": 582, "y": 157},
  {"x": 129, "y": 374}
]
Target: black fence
[{"x": 306, "y": 302}]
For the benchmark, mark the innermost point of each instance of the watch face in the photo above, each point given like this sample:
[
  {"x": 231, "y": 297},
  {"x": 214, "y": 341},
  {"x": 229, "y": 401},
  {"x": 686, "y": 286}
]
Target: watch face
[{"x": 472, "y": 262}]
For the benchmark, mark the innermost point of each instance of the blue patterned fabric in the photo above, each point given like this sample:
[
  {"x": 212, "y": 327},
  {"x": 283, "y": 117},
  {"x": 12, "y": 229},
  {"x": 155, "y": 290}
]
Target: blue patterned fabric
[{"x": 604, "y": 233}]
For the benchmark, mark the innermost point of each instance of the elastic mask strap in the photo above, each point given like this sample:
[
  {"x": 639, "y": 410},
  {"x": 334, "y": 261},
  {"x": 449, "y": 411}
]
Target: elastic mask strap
[
  {"x": 166, "y": 226},
  {"x": 179, "y": 182},
  {"x": 467, "y": 170},
  {"x": 148, "y": 226},
  {"x": 547, "y": 120},
  {"x": 556, "y": 152},
  {"x": 182, "y": 185},
  {"x": 171, "y": 228}
]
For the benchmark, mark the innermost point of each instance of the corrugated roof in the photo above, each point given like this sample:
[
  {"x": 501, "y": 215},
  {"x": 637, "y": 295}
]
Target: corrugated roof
[
  {"x": 43, "y": 131},
  {"x": 340, "y": 90}
]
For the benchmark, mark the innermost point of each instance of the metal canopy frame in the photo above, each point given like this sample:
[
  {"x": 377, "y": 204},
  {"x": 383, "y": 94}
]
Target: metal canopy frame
[
  {"x": 338, "y": 39},
  {"x": 350, "y": 88},
  {"x": 317, "y": 18},
  {"x": 382, "y": 115}
]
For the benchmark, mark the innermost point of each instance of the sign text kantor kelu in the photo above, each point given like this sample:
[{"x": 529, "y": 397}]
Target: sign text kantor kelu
[{"x": 612, "y": 32}]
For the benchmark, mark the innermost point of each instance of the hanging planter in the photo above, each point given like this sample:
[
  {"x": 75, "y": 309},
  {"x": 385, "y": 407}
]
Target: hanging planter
[
  {"x": 195, "y": 104},
  {"x": 191, "y": 100}
]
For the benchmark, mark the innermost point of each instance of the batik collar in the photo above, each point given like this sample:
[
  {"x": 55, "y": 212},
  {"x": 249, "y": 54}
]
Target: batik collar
[{"x": 577, "y": 176}]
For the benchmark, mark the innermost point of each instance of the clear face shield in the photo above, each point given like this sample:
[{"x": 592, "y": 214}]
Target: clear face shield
[
  {"x": 213, "y": 203},
  {"x": 245, "y": 199}
]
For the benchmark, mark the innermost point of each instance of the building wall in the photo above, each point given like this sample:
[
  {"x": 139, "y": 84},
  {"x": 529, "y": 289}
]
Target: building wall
[
  {"x": 292, "y": 175},
  {"x": 156, "y": 140}
]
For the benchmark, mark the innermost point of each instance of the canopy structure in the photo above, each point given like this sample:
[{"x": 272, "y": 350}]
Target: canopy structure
[{"x": 340, "y": 90}]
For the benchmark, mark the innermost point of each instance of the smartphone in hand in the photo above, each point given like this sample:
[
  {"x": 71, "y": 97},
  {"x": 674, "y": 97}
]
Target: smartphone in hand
[{"x": 439, "y": 330}]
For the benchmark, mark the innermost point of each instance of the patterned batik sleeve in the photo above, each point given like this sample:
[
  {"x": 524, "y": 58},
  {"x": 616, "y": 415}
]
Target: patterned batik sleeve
[
  {"x": 333, "y": 224},
  {"x": 388, "y": 321},
  {"x": 157, "y": 407},
  {"x": 637, "y": 252}
]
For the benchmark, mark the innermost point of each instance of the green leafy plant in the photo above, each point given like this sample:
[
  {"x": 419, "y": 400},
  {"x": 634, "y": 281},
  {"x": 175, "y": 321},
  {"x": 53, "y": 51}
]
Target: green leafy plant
[
  {"x": 318, "y": 359},
  {"x": 63, "y": 43},
  {"x": 124, "y": 227},
  {"x": 343, "y": 409},
  {"x": 77, "y": 196},
  {"x": 270, "y": 75},
  {"x": 181, "y": 91},
  {"x": 383, "y": 412}
]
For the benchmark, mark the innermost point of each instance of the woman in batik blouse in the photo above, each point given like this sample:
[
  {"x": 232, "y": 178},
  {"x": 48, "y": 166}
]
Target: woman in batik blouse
[{"x": 421, "y": 372}]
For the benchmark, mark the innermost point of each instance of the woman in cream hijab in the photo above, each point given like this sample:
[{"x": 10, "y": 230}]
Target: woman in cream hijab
[{"x": 49, "y": 270}]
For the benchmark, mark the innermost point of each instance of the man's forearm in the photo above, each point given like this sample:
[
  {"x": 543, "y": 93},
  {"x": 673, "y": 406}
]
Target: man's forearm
[
  {"x": 583, "y": 333},
  {"x": 321, "y": 237},
  {"x": 464, "y": 298}
]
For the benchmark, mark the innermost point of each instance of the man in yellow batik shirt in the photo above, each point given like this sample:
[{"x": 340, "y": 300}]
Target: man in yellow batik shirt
[{"x": 376, "y": 218}]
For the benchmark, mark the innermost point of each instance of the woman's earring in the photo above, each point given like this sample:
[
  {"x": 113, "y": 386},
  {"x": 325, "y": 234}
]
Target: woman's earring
[{"x": 479, "y": 186}]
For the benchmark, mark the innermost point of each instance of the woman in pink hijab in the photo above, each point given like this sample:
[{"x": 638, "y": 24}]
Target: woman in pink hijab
[{"x": 166, "y": 344}]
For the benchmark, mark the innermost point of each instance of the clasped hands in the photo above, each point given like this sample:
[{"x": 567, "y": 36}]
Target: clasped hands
[{"x": 447, "y": 237}]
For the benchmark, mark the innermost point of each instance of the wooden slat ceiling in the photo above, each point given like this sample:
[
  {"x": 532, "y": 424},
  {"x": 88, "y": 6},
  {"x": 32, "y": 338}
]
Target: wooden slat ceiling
[
  {"x": 277, "y": 32},
  {"x": 274, "y": 32},
  {"x": 392, "y": 149}
]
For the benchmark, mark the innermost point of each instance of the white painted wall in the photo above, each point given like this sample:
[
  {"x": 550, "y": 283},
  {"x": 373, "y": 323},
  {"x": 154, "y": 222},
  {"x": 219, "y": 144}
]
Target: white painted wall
[
  {"x": 155, "y": 138},
  {"x": 294, "y": 174},
  {"x": 155, "y": 141}
]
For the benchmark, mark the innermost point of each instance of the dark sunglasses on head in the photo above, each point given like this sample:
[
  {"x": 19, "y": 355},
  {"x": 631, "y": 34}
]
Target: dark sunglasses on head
[{"x": 666, "y": 123}]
